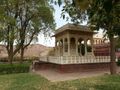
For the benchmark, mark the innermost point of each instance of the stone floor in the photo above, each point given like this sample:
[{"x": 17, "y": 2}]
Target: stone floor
[{"x": 55, "y": 76}]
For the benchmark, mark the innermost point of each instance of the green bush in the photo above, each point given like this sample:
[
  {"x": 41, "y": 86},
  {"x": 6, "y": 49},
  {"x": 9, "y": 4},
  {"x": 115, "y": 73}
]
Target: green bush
[
  {"x": 5, "y": 59},
  {"x": 14, "y": 68}
]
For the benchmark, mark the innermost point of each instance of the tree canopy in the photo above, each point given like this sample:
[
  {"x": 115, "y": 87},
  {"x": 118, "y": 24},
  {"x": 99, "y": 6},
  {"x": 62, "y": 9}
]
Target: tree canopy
[{"x": 22, "y": 20}]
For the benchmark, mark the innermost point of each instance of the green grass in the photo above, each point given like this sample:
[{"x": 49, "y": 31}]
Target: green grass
[{"x": 29, "y": 81}]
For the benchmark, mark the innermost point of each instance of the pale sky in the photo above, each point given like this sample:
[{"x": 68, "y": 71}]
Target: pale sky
[{"x": 59, "y": 22}]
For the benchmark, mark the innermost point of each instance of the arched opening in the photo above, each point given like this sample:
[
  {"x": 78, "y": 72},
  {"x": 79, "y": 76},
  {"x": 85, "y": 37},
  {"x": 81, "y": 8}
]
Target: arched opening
[
  {"x": 89, "y": 47},
  {"x": 66, "y": 45},
  {"x": 57, "y": 43},
  {"x": 81, "y": 47},
  {"x": 57, "y": 47},
  {"x": 61, "y": 47},
  {"x": 96, "y": 42},
  {"x": 72, "y": 46}
]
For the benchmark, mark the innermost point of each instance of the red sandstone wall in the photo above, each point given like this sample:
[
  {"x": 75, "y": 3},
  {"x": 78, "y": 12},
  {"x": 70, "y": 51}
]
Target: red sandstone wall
[{"x": 72, "y": 67}]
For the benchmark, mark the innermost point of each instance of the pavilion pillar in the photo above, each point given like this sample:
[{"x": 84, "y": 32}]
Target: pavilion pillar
[
  {"x": 85, "y": 43},
  {"x": 59, "y": 48},
  {"x": 55, "y": 47},
  {"x": 76, "y": 43},
  {"x": 68, "y": 46},
  {"x": 92, "y": 49},
  {"x": 80, "y": 53},
  {"x": 63, "y": 45}
]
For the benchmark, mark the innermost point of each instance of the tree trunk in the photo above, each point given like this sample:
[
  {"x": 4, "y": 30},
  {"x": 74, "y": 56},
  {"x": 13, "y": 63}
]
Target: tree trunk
[
  {"x": 10, "y": 52},
  {"x": 113, "y": 65},
  {"x": 22, "y": 54},
  {"x": 10, "y": 57}
]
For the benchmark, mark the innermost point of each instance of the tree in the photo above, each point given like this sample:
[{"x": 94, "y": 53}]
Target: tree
[
  {"x": 8, "y": 29},
  {"x": 23, "y": 18},
  {"x": 33, "y": 19},
  {"x": 104, "y": 14},
  {"x": 101, "y": 14}
]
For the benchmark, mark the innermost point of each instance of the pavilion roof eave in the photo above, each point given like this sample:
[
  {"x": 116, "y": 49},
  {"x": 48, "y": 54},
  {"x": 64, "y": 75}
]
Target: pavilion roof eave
[
  {"x": 72, "y": 27},
  {"x": 76, "y": 30}
]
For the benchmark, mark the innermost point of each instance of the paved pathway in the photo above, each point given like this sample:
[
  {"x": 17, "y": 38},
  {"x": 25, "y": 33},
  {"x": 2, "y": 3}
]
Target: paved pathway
[{"x": 54, "y": 76}]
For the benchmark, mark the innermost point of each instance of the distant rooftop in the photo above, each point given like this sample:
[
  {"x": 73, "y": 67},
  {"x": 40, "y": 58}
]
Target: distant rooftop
[{"x": 73, "y": 27}]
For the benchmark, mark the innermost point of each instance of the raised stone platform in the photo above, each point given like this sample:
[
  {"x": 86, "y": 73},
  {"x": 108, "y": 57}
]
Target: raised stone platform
[{"x": 66, "y": 68}]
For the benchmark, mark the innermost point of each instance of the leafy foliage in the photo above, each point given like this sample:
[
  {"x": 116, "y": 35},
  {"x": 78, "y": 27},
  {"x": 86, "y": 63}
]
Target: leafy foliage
[
  {"x": 22, "y": 20},
  {"x": 76, "y": 14},
  {"x": 105, "y": 14}
]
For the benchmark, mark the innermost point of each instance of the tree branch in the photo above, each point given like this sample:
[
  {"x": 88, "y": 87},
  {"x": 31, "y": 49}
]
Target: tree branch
[{"x": 31, "y": 38}]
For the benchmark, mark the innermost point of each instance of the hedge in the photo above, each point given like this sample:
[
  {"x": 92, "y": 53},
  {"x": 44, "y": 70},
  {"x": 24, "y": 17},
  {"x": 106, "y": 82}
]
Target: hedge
[
  {"x": 5, "y": 59},
  {"x": 14, "y": 68}
]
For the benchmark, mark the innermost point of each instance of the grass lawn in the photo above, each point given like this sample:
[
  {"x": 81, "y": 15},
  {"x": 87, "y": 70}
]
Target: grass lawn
[{"x": 29, "y": 81}]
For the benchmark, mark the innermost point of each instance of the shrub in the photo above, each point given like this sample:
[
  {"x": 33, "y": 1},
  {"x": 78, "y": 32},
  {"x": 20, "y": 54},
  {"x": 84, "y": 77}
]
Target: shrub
[
  {"x": 14, "y": 68},
  {"x": 5, "y": 59}
]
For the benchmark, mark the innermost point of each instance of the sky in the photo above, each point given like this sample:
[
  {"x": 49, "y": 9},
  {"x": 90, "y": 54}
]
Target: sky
[
  {"x": 59, "y": 22},
  {"x": 50, "y": 41}
]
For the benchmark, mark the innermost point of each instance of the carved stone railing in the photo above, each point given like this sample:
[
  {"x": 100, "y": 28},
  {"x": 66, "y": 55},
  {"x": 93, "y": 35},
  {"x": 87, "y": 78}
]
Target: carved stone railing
[{"x": 75, "y": 59}]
